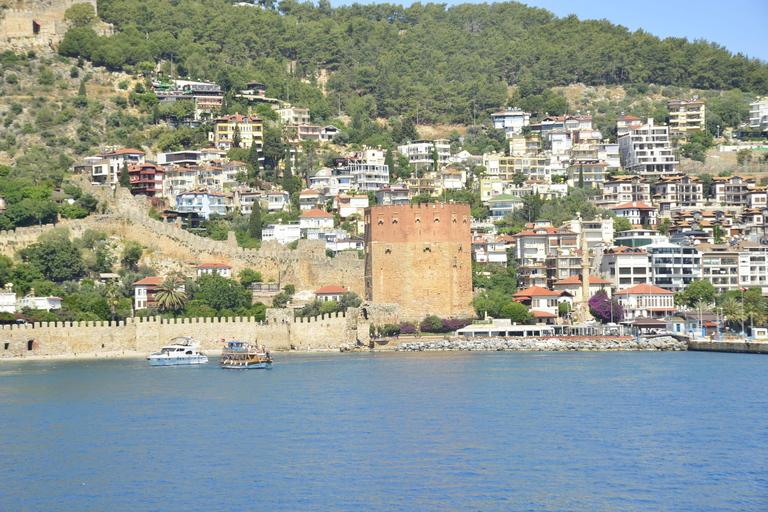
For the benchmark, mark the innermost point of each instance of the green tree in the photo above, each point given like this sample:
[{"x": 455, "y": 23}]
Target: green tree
[
  {"x": 221, "y": 293},
  {"x": 58, "y": 260},
  {"x": 248, "y": 277},
  {"x": 236, "y": 137},
  {"x": 81, "y": 92},
  {"x": 389, "y": 161},
  {"x": 697, "y": 291},
  {"x": 80, "y": 15},
  {"x": 132, "y": 253},
  {"x": 517, "y": 312},
  {"x": 621, "y": 224},
  {"x": 289, "y": 185},
  {"x": 125, "y": 177}
]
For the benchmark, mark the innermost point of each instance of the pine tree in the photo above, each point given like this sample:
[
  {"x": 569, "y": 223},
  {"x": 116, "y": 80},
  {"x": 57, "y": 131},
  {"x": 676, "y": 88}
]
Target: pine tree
[
  {"x": 254, "y": 222},
  {"x": 125, "y": 177},
  {"x": 81, "y": 91}
]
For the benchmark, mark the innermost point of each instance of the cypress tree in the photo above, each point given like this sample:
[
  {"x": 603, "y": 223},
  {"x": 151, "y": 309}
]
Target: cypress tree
[
  {"x": 581, "y": 177},
  {"x": 389, "y": 161},
  {"x": 288, "y": 173},
  {"x": 253, "y": 161},
  {"x": 125, "y": 177},
  {"x": 254, "y": 222},
  {"x": 236, "y": 138},
  {"x": 81, "y": 91}
]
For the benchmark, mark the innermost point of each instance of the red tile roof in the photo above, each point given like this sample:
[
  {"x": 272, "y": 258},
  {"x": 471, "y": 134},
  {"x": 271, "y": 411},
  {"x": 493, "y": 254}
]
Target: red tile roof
[
  {"x": 537, "y": 291},
  {"x": 543, "y": 314},
  {"x": 153, "y": 281},
  {"x": 331, "y": 290},
  {"x": 314, "y": 212},
  {"x": 645, "y": 289},
  {"x": 577, "y": 280},
  {"x": 633, "y": 204}
]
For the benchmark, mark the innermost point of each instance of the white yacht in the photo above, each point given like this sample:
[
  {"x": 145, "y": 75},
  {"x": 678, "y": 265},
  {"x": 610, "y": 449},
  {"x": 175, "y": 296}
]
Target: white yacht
[{"x": 181, "y": 351}]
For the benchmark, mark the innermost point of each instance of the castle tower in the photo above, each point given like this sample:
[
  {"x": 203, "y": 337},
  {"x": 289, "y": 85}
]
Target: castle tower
[{"x": 419, "y": 256}]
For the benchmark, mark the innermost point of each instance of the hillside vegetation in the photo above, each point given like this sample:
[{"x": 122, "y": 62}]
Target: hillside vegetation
[{"x": 450, "y": 64}]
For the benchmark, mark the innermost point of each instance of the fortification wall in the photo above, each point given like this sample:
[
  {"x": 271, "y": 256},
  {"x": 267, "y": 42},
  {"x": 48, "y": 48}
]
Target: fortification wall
[
  {"x": 28, "y": 24},
  {"x": 144, "y": 335}
]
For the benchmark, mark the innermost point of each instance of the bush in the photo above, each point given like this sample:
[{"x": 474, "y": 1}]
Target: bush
[
  {"x": 408, "y": 328},
  {"x": 431, "y": 324}
]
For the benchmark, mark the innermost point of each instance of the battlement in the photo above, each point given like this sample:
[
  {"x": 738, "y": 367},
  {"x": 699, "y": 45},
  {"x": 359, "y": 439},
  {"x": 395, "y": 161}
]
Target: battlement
[{"x": 432, "y": 222}]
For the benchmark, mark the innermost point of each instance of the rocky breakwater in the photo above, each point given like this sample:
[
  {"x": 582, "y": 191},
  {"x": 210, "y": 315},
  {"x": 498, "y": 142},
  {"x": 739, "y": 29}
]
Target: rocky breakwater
[{"x": 546, "y": 344}]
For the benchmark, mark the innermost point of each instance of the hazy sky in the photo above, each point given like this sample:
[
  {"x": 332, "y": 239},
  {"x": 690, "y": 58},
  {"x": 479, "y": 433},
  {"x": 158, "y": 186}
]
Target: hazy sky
[{"x": 740, "y": 25}]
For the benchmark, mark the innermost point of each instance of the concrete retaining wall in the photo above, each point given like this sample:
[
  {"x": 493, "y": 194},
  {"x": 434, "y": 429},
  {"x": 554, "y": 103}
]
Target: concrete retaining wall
[{"x": 745, "y": 347}]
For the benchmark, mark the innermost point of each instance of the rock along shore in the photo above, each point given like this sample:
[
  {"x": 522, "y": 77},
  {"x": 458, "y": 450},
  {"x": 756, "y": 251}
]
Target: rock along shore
[{"x": 547, "y": 344}]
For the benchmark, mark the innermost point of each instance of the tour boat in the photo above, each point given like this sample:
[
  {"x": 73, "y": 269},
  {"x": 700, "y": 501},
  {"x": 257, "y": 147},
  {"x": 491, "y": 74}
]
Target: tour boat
[
  {"x": 183, "y": 350},
  {"x": 240, "y": 355}
]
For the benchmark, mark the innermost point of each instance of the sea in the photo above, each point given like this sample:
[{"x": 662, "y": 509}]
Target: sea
[{"x": 419, "y": 431}]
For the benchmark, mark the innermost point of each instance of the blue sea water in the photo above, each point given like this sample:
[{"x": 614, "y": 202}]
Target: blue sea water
[{"x": 423, "y": 431}]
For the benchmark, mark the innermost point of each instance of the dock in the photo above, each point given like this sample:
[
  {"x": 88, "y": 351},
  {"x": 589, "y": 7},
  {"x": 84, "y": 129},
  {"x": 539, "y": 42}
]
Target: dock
[{"x": 737, "y": 346}]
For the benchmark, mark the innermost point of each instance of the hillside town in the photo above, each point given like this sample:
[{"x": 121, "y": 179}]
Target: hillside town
[{"x": 654, "y": 232}]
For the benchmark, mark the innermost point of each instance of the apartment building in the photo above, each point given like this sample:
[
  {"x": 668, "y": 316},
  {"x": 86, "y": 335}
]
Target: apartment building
[
  {"x": 534, "y": 246},
  {"x": 681, "y": 191},
  {"x": 520, "y": 145},
  {"x": 593, "y": 173},
  {"x": 146, "y": 179},
  {"x": 625, "y": 189},
  {"x": 645, "y": 149},
  {"x": 720, "y": 266},
  {"x": 420, "y": 153},
  {"x": 368, "y": 170},
  {"x": 251, "y": 131},
  {"x": 753, "y": 265},
  {"x": 625, "y": 124},
  {"x": 646, "y": 300},
  {"x": 625, "y": 266},
  {"x": 179, "y": 179},
  {"x": 686, "y": 116},
  {"x": 732, "y": 190},
  {"x": 673, "y": 266},
  {"x": 511, "y": 120},
  {"x": 533, "y": 167},
  {"x": 293, "y": 115},
  {"x": 393, "y": 194},
  {"x": 489, "y": 248},
  {"x": 202, "y": 202},
  {"x": 104, "y": 169}
]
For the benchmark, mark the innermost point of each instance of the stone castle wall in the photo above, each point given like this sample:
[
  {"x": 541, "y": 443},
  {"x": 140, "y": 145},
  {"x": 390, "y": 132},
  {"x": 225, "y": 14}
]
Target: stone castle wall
[
  {"x": 420, "y": 257},
  {"x": 144, "y": 335},
  {"x": 307, "y": 267},
  {"x": 19, "y": 31}
]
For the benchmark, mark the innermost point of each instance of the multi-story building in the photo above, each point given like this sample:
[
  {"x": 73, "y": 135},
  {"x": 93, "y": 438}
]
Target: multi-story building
[
  {"x": 310, "y": 199},
  {"x": 646, "y": 149},
  {"x": 520, "y": 145},
  {"x": 680, "y": 191},
  {"x": 202, "y": 202},
  {"x": 574, "y": 286},
  {"x": 502, "y": 205},
  {"x": 245, "y": 199},
  {"x": 646, "y": 300},
  {"x": 534, "y": 246},
  {"x": 511, "y": 120},
  {"x": 348, "y": 205},
  {"x": 488, "y": 248},
  {"x": 625, "y": 124},
  {"x": 533, "y": 167},
  {"x": 316, "y": 219},
  {"x": 625, "y": 266},
  {"x": 293, "y": 115},
  {"x": 145, "y": 291},
  {"x": 758, "y": 114},
  {"x": 753, "y": 265},
  {"x": 563, "y": 264},
  {"x": 599, "y": 232},
  {"x": 686, "y": 116},
  {"x": 639, "y": 238},
  {"x": 593, "y": 172},
  {"x": 368, "y": 170},
  {"x": 639, "y": 214},
  {"x": 543, "y": 303},
  {"x": 251, "y": 131},
  {"x": 421, "y": 153},
  {"x": 146, "y": 179},
  {"x": 221, "y": 269},
  {"x": 104, "y": 169},
  {"x": 278, "y": 201},
  {"x": 624, "y": 189},
  {"x": 393, "y": 194},
  {"x": 188, "y": 157},
  {"x": 720, "y": 266},
  {"x": 673, "y": 267},
  {"x": 732, "y": 190},
  {"x": 179, "y": 179}
]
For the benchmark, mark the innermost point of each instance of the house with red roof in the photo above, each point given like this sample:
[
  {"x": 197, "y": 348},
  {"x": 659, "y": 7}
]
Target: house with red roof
[
  {"x": 316, "y": 219},
  {"x": 639, "y": 214},
  {"x": 221, "y": 269},
  {"x": 146, "y": 179},
  {"x": 144, "y": 291},
  {"x": 543, "y": 303},
  {"x": 646, "y": 300},
  {"x": 310, "y": 199},
  {"x": 331, "y": 292},
  {"x": 574, "y": 286}
]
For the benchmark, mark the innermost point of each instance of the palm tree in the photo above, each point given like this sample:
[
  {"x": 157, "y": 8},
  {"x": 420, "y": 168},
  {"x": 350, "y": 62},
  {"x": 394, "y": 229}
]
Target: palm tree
[
  {"x": 733, "y": 310},
  {"x": 168, "y": 298}
]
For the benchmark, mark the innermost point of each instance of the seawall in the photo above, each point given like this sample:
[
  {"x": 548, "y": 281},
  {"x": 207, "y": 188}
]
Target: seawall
[
  {"x": 144, "y": 335},
  {"x": 546, "y": 344},
  {"x": 742, "y": 347}
]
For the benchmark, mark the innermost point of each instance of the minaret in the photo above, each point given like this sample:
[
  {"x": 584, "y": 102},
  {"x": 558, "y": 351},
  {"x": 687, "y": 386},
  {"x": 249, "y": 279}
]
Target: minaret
[{"x": 584, "y": 273}]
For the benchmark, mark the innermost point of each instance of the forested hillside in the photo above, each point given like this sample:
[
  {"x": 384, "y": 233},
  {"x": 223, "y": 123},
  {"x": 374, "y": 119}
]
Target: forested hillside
[{"x": 385, "y": 60}]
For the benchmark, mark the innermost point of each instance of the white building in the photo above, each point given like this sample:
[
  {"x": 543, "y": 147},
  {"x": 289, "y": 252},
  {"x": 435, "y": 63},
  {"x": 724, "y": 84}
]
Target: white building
[
  {"x": 598, "y": 231},
  {"x": 393, "y": 195},
  {"x": 221, "y": 269},
  {"x": 673, "y": 267},
  {"x": 489, "y": 248},
  {"x": 8, "y": 300},
  {"x": 179, "y": 179},
  {"x": 348, "y": 205},
  {"x": 639, "y": 214},
  {"x": 511, "y": 120},
  {"x": 278, "y": 201},
  {"x": 368, "y": 170},
  {"x": 315, "y": 219},
  {"x": 293, "y": 115},
  {"x": 420, "y": 153},
  {"x": 646, "y": 149},
  {"x": 645, "y": 300},
  {"x": 574, "y": 286},
  {"x": 625, "y": 266},
  {"x": 283, "y": 233},
  {"x": 203, "y": 202},
  {"x": 330, "y": 293},
  {"x": 758, "y": 114}
]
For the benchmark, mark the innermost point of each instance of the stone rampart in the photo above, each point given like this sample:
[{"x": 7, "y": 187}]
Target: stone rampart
[{"x": 144, "y": 335}]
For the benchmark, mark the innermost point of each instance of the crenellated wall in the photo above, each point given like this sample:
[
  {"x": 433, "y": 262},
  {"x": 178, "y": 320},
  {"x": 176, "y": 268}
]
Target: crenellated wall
[{"x": 144, "y": 335}]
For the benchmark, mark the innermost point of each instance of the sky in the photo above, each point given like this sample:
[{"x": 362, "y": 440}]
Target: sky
[{"x": 738, "y": 26}]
